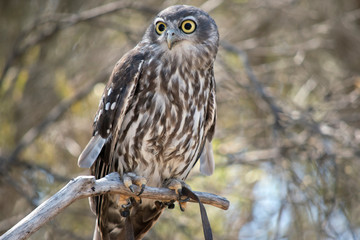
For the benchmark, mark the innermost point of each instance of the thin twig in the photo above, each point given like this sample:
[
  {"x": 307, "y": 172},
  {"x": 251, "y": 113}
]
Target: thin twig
[{"x": 275, "y": 109}]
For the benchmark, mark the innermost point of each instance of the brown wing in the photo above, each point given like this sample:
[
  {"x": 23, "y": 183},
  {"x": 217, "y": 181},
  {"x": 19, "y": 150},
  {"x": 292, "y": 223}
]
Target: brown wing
[
  {"x": 120, "y": 89},
  {"x": 113, "y": 105},
  {"x": 97, "y": 154}
]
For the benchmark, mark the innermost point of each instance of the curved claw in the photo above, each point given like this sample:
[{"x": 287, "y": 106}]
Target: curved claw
[
  {"x": 131, "y": 187},
  {"x": 177, "y": 185},
  {"x": 181, "y": 208},
  {"x": 184, "y": 200},
  {"x": 127, "y": 206},
  {"x": 131, "y": 180},
  {"x": 142, "y": 190},
  {"x": 179, "y": 194},
  {"x": 169, "y": 205}
]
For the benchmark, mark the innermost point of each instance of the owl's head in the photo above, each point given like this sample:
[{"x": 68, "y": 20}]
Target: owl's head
[{"x": 183, "y": 28}]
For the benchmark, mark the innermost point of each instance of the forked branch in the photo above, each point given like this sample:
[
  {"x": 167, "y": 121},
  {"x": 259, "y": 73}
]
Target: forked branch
[{"x": 86, "y": 186}]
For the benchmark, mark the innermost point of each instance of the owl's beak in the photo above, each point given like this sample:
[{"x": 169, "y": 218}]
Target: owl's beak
[{"x": 171, "y": 38}]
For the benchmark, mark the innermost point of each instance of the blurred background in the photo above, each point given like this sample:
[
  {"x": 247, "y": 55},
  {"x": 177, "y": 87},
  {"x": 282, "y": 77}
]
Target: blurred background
[{"x": 288, "y": 131}]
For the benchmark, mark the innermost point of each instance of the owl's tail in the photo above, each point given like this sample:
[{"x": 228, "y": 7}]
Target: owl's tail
[{"x": 110, "y": 225}]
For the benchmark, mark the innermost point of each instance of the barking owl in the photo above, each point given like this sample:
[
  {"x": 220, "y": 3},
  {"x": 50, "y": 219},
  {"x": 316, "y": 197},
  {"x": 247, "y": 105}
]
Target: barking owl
[{"x": 156, "y": 118}]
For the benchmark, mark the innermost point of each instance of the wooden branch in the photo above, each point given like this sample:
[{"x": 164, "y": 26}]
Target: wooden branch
[{"x": 86, "y": 186}]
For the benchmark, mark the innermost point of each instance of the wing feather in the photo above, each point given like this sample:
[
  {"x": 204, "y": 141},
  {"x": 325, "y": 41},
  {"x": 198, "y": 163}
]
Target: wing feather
[
  {"x": 207, "y": 163},
  {"x": 91, "y": 152},
  {"x": 115, "y": 101}
]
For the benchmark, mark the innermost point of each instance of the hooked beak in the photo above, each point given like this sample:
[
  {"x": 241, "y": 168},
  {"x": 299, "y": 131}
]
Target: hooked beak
[{"x": 171, "y": 38}]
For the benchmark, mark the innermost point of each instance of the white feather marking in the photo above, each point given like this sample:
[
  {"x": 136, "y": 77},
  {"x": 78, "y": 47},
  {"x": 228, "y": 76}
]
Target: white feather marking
[
  {"x": 96, "y": 118},
  {"x": 196, "y": 119},
  {"x": 109, "y": 91},
  {"x": 113, "y": 106},
  {"x": 151, "y": 59},
  {"x": 107, "y": 106},
  {"x": 91, "y": 151}
]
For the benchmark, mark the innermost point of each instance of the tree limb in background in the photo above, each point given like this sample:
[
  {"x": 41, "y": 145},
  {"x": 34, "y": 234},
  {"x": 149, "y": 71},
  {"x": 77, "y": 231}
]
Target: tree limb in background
[
  {"x": 86, "y": 186},
  {"x": 47, "y": 26},
  {"x": 275, "y": 109}
]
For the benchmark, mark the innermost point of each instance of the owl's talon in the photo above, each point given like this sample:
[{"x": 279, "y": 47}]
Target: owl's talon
[
  {"x": 182, "y": 203},
  {"x": 171, "y": 205},
  {"x": 125, "y": 206},
  {"x": 129, "y": 203},
  {"x": 177, "y": 185},
  {"x": 142, "y": 190},
  {"x": 125, "y": 213},
  {"x": 184, "y": 200},
  {"x": 182, "y": 208},
  {"x": 179, "y": 192},
  {"x": 130, "y": 180}
]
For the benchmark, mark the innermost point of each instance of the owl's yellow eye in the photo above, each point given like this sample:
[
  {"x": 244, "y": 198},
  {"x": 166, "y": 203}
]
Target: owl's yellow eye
[
  {"x": 160, "y": 27},
  {"x": 188, "y": 26}
]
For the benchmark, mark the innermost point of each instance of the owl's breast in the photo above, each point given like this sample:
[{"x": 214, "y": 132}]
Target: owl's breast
[{"x": 163, "y": 130}]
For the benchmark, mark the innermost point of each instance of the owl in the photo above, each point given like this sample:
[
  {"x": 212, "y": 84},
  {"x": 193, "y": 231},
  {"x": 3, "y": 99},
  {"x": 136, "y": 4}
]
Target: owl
[{"x": 156, "y": 117}]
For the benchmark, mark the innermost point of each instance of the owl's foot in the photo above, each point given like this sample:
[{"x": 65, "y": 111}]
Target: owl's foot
[
  {"x": 177, "y": 185},
  {"x": 130, "y": 179},
  {"x": 160, "y": 205},
  {"x": 125, "y": 208}
]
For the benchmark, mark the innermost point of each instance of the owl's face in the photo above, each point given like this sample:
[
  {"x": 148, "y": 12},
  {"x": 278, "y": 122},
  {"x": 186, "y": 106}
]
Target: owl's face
[{"x": 183, "y": 28}]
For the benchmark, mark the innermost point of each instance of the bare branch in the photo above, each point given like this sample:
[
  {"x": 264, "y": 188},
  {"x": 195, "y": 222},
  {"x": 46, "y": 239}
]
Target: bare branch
[
  {"x": 86, "y": 186},
  {"x": 275, "y": 109}
]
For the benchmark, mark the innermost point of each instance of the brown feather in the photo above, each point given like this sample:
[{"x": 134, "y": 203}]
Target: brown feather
[{"x": 157, "y": 114}]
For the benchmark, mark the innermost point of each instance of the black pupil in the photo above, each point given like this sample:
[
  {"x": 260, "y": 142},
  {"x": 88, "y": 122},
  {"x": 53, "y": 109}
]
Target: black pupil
[
  {"x": 161, "y": 27},
  {"x": 187, "y": 26}
]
